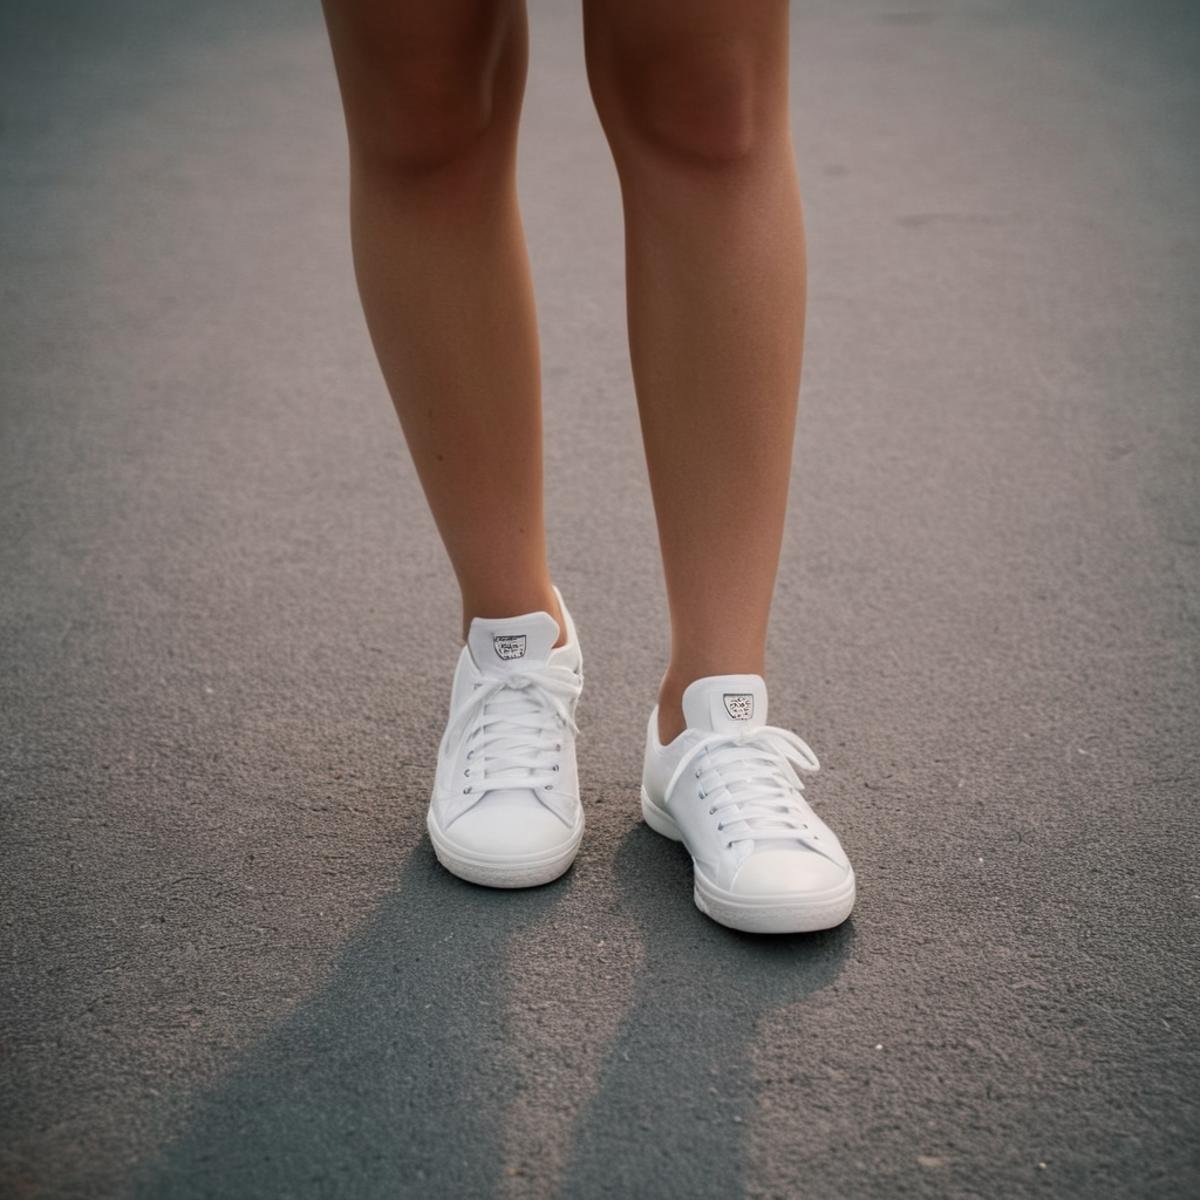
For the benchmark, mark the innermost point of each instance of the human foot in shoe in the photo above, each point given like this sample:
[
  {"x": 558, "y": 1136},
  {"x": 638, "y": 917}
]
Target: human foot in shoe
[
  {"x": 505, "y": 810},
  {"x": 729, "y": 788}
]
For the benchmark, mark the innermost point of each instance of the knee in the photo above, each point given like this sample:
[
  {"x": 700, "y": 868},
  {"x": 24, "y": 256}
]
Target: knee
[
  {"x": 703, "y": 104},
  {"x": 433, "y": 108}
]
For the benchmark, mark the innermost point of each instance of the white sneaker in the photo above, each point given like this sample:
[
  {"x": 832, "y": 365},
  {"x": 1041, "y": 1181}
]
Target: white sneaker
[
  {"x": 728, "y": 787},
  {"x": 505, "y": 810}
]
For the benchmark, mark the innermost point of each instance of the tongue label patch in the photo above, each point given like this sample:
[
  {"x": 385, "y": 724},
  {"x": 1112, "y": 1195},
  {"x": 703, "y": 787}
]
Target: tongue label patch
[
  {"x": 739, "y": 705},
  {"x": 509, "y": 645}
]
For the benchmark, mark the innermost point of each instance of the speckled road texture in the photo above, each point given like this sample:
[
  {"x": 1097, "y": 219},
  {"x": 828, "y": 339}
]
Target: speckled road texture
[{"x": 231, "y": 967}]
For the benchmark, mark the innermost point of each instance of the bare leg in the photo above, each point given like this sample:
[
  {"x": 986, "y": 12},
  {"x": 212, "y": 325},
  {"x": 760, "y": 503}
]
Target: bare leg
[
  {"x": 694, "y": 101},
  {"x": 432, "y": 93}
]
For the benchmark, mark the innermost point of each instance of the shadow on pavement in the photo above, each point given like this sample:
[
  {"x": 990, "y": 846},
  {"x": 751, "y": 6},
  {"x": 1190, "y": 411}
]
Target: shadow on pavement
[
  {"x": 385, "y": 1082},
  {"x": 677, "y": 1088},
  {"x": 391, "y": 1081}
]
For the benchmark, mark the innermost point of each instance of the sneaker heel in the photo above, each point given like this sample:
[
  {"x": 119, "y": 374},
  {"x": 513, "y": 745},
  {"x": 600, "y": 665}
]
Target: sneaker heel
[{"x": 659, "y": 819}]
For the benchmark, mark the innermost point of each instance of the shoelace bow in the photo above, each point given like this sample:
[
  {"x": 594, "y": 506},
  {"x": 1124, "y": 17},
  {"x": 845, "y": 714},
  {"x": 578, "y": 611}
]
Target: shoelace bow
[
  {"x": 753, "y": 775},
  {"x": 516, "y": 720}
]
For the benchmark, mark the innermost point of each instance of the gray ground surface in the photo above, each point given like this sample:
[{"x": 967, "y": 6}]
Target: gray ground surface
[{"x": 230, "y": 964}]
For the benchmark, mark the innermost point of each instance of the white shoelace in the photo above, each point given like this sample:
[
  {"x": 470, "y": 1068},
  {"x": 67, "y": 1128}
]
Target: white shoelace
[
  {"x": 515, "y": 722},
  {"x": 753, "y": 776}
]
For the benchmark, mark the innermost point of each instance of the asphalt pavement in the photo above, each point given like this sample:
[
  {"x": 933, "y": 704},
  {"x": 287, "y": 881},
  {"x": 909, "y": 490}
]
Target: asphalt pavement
[{"x": 230, "y": 964}]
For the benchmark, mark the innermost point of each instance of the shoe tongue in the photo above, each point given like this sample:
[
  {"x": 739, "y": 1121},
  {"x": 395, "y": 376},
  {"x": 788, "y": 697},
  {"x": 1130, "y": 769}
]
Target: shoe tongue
[
  {"x": 725, "y": 703},
  {"x": 512, "y": 643}
]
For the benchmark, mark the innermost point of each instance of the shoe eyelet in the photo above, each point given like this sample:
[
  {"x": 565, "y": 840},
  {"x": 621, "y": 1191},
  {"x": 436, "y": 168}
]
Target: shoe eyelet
[
  {"x": 467, "y": 771},
  {"x": 549, "y": 786},
  {"x": 728, "y": 845},
  {"x": 701, "y": 796},
  {"x": 712, "y": 812},
  {"x": 555, "y": 767},
  {"x": 466, "y": 791},
  {"x": 720, "y": 827}
]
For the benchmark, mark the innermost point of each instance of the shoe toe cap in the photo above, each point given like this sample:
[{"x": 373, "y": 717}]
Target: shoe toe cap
[
  {"x": 787, "y": 872},
  {"x": 509, "y": 824}
]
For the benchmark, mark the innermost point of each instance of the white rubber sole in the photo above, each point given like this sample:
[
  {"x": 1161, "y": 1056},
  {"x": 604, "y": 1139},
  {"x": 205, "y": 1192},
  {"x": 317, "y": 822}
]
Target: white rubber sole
[
  {"x": 504, "y": 871},
  {"x": 797, "y": 912}
]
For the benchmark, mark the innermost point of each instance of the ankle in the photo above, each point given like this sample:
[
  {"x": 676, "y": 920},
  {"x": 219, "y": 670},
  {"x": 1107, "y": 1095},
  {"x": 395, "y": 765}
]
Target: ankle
[
  {"x": 513, "y": 601},
  {"x": 671, "y": 721}
]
